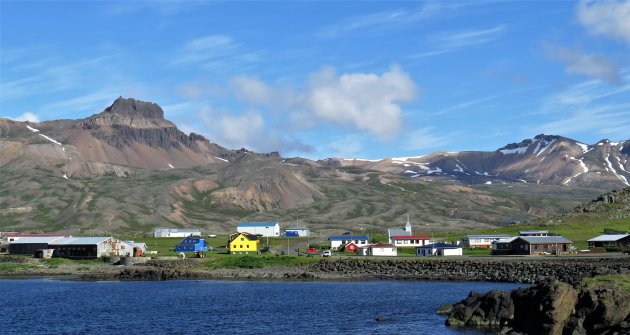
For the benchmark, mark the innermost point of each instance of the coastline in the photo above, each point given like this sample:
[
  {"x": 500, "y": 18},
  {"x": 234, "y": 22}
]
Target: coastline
[{"x": 526, "y": 270}]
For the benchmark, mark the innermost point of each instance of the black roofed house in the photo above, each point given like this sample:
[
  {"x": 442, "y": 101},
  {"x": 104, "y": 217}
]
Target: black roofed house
[{"x": 540, "y": 245}]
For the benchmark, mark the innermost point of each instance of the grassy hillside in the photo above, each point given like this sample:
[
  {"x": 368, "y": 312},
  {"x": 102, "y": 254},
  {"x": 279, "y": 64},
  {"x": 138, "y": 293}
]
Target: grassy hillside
[{"x": 40, "y": 200}]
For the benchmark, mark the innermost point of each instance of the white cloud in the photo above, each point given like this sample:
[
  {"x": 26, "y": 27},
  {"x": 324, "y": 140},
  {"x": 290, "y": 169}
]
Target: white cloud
[
  {"x": 366, "y": 101},
  {"x": 423, "y": 139},
  {"x": 578, "y": 62},
  {"x": 390, "y": 19},
  {"x": 248, "y": 130},
  {"x": 251, "y": 90},
  {"x": 93, "y": 102},
  {"x": 217, "y": 53},
  {"x": 607, "y": 18},
  {"x": 451, "y": 41},
  {"x": 584, "y": 109},
  {"x": 27, "y": 116}
]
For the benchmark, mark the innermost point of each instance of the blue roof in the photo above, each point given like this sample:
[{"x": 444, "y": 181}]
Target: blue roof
[
  {"x": 347, "y": 237},
  {"x": 258, "y": 224}
]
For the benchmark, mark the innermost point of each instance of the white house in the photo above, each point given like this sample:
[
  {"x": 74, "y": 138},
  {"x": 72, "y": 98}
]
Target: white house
[
  {"x": 337, "y": 241},
  {"x": 482, "y": 241},
  {"x": 439, "y": 249},
  {"x": 270, "y": 229},
  {"x": 410, "y": 241},
  {"x": 176, "y": 232},
  {"x": 379, "y": 249}
]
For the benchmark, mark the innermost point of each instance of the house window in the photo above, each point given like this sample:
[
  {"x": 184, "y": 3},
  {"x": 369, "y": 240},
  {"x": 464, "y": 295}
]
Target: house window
[
  {"x": 242, "y": 239},
  {"x": 406, "y": 241}
]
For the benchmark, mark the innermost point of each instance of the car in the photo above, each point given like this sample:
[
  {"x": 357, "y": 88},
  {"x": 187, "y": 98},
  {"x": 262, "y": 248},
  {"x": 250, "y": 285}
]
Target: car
[
  {"x": 212, "y": 235},
  {"x": 347, "y": 233},
  {"x": 326, "y": 253},
  {"x": 312, "y": 250}
]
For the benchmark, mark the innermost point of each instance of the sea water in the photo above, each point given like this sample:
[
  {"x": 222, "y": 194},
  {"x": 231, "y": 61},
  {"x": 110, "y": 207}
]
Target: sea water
[{"x": 44, "y": 306}]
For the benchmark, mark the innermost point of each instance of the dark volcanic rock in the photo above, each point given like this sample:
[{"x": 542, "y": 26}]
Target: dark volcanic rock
[
  {"x": 553, "y": 308},
  {"x": 135, "y": 108}
]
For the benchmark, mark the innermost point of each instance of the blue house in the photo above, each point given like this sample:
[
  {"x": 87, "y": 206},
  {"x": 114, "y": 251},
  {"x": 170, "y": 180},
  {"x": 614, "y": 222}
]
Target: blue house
[{"x": 191, "y": 244}]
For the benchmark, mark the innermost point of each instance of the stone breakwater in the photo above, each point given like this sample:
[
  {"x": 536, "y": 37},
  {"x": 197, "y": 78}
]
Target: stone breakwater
[{"x": 569, "y": 270}]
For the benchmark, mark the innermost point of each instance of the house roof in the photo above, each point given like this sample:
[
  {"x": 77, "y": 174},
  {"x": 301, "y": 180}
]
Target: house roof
[
  {"x": 544, "y": 239},
  {"x": 258, "y": 224},
  {"x": 411, "y": 237},
  {"x": 36, "y": 240},
  {"x": 397, "y": 232},
  {"x": 80, "y": 240},
  {"x": 381, "y": 245},
  {"x": 347, "y": 237},
  {"x": 35, "y": 235},
  {"x": 506, "y": 240},
  {"x": 488, "y": 236},
  {"x": 608, "y": 238},
  {"x": 248, "y": 236},
  {"x": 529, "y": 232},
  {"x": 440, "y": 245}
]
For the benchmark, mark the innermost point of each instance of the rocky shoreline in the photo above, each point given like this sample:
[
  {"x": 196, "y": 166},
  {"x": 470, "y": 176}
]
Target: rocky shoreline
[
  {"x": 515, "y": 270},
  {"x": 552, "y": 308}
]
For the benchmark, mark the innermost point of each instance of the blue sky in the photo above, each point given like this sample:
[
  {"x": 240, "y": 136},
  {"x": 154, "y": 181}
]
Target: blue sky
[{"x": 329, "y": 79}]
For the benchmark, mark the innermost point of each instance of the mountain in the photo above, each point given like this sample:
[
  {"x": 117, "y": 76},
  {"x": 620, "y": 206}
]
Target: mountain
[
  {"x": 127, "y": 169},
  {"x": 545, "y": 159}
]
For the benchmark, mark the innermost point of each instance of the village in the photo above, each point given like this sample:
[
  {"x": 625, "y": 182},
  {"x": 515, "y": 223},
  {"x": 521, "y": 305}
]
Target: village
[{"x": 252, "y": 238}]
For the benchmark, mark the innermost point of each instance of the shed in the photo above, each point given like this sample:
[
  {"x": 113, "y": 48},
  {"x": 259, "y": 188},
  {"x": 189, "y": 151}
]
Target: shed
[
  {"x": 297, "y": 231},
  {"x": 269, "y": 229},
  {"x": 439, "y": 249},
  {"x": 90, "y": 247},
  {"x": 610, "y": 241},
  {"x": 28, "y": 245},
  {"x": 139, "y": 248},
  {"x": 191, "y": 244},
  {"x": 176, "y": 232}
]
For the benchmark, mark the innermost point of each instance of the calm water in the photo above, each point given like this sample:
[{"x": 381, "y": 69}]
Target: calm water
[{"x": 229, "y": 307}]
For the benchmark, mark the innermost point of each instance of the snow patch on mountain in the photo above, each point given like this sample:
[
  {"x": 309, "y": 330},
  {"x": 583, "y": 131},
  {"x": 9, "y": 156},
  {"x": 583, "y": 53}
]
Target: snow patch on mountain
[
  {"x": 520, "y": 150},
  {"x": 50, "y": 139},
  {"x": 584, "y": 147},
  {"x": 32, "y": 129},
  {"x": 612, "y": 169},
  {"x": 221, "y": 159},
  {"x": 542, "y": 146}
]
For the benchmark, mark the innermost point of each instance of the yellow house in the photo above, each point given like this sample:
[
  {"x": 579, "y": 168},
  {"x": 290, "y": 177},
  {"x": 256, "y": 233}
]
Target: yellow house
[{"x": 243, "y": 242}]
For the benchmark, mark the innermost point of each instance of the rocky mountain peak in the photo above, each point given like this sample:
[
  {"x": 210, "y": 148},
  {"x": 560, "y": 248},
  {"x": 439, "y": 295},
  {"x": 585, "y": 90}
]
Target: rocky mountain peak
[{"x": 135, "y": 107}]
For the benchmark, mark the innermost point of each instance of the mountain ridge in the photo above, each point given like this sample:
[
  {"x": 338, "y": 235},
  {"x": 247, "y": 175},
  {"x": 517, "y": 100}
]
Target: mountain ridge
[{"x": 73, "y": 172}]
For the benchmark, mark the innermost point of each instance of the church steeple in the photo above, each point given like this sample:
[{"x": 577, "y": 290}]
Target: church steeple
[{"x": 408, "y": 225}]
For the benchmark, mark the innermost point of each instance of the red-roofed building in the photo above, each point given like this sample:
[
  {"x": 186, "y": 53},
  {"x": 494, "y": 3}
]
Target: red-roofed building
[{"x": 409, "y": 241}]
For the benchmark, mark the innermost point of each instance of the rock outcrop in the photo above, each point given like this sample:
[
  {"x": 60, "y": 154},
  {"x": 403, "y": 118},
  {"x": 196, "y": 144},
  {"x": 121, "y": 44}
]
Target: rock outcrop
[{"x": 553, "y": 308}]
